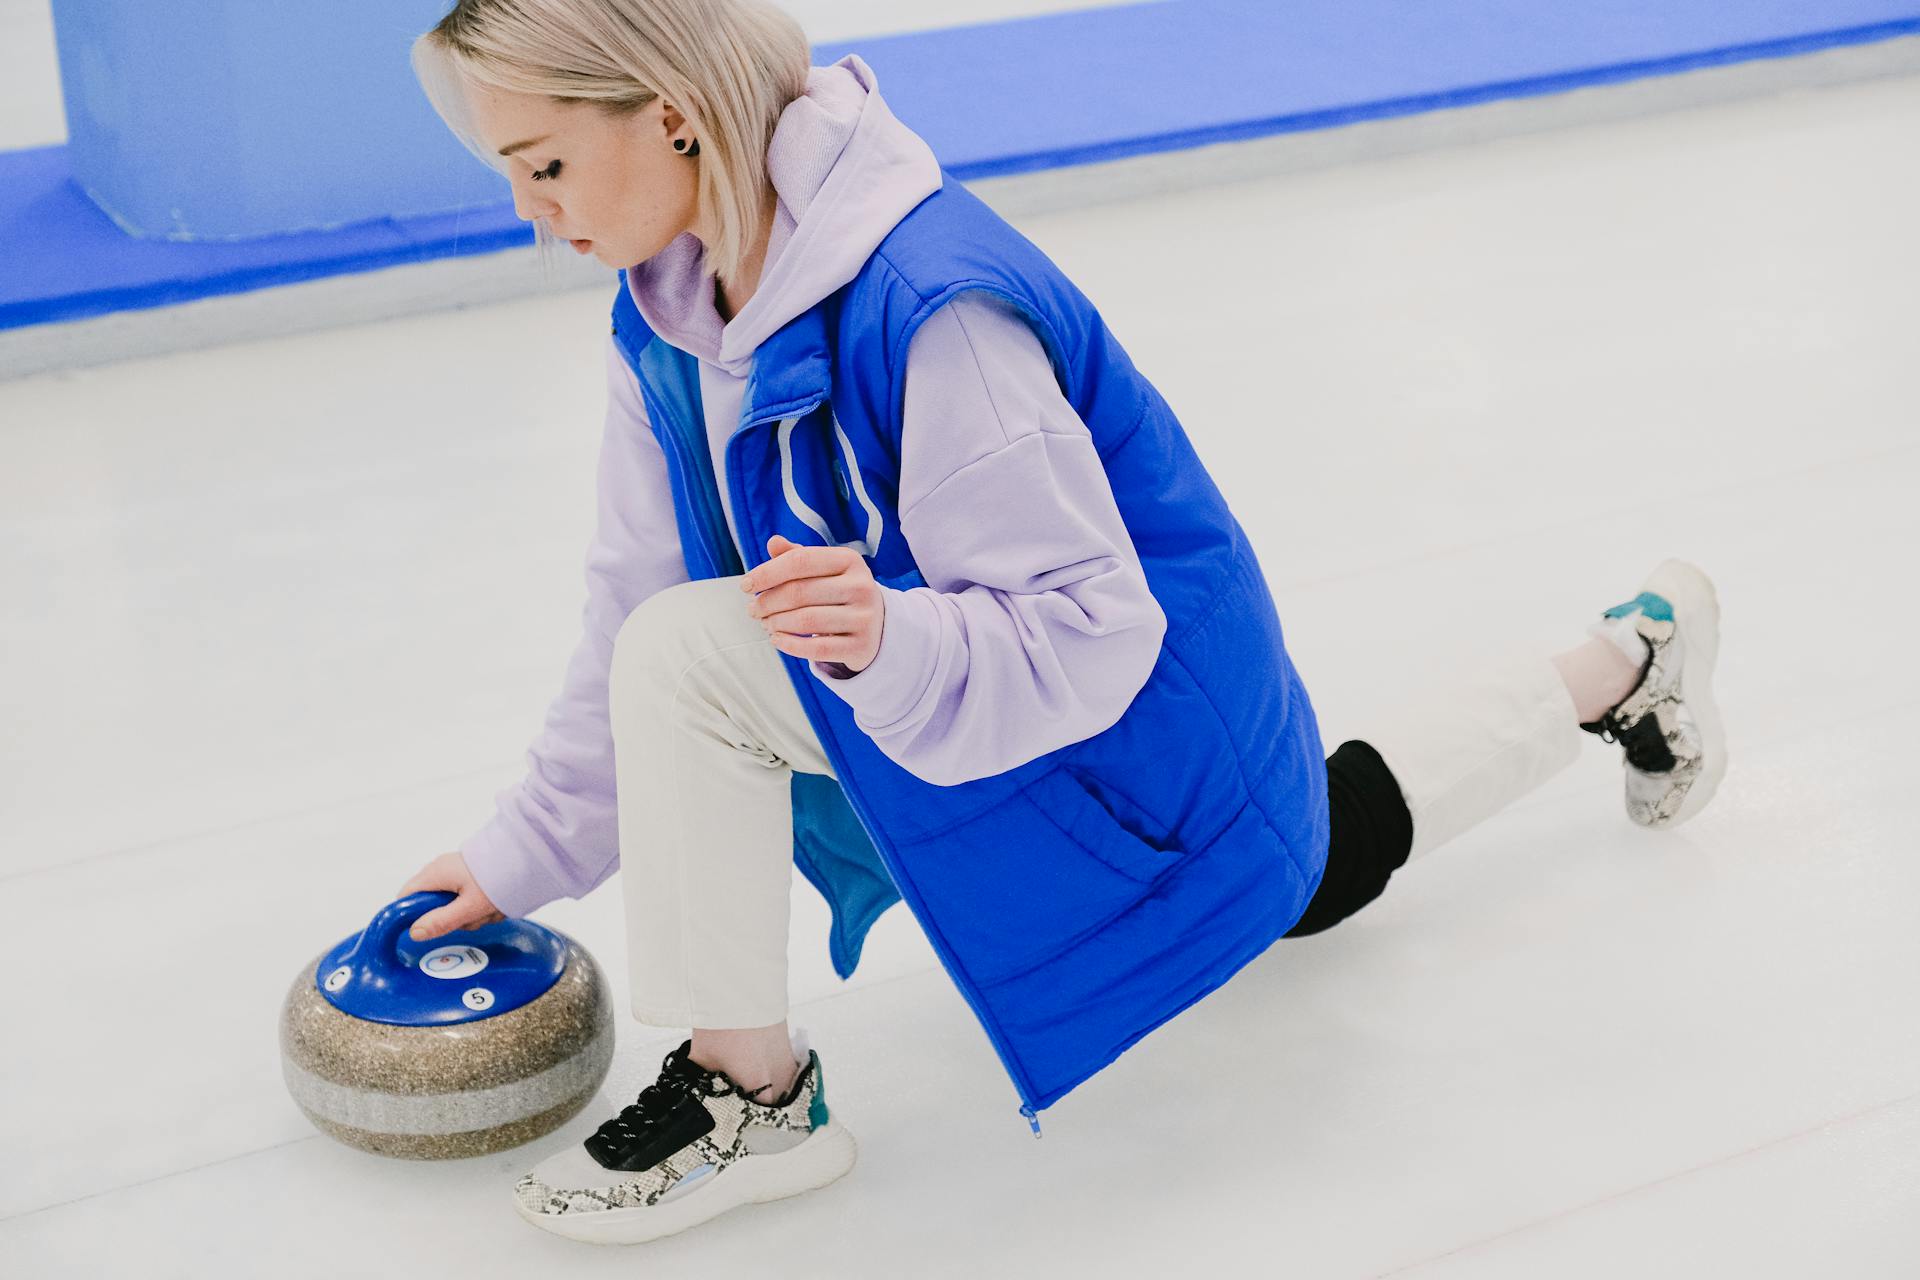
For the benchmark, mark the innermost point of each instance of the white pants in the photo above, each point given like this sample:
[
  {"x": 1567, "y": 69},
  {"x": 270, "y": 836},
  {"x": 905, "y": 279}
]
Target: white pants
[
  {"x": 707, "y": 729},
  {"x": 1464, "y": 750}
]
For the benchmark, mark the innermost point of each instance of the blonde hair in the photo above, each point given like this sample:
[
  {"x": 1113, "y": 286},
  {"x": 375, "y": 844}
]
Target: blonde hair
[{"x": 730, "y": 66}]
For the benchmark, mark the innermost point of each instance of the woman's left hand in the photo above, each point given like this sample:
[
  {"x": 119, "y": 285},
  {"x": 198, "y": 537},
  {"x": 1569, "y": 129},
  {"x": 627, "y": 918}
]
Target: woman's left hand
[{"x": 818, "y": 602}]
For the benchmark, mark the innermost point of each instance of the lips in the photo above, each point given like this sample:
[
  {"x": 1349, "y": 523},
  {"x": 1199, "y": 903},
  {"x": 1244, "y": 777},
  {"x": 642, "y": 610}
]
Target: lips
[{"x": 581, "y": 246}]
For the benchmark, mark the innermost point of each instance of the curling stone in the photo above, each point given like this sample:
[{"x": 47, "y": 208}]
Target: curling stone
[{"x": 474, "y": 1041}]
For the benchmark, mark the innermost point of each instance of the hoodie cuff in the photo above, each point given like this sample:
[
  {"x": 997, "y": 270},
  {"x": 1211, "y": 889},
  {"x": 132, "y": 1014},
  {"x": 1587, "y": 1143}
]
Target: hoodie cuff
[
  {"x": 887, "y": 688},
  {"x": 512, "y": 881}
]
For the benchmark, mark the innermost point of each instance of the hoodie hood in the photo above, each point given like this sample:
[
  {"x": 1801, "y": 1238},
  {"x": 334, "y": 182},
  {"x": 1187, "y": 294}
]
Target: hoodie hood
[{"x": 845, "y": 171}]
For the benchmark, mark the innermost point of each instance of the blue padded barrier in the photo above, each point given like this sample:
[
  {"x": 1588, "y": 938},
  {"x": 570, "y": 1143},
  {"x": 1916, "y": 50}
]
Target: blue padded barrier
[
  {"x": 63, "y": 259},
  {"x": 1014, "y": 97},
  {"x": 1103, "y": 84}
]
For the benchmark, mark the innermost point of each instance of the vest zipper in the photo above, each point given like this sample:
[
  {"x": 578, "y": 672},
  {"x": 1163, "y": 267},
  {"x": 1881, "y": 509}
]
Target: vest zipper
[{"x": 743, "y": 515}]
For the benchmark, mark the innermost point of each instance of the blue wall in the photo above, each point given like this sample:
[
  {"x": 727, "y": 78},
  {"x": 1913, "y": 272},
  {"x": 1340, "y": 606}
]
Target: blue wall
[
  {"x": 272, "y": 120},
  {"x": 225, "y": 119}
]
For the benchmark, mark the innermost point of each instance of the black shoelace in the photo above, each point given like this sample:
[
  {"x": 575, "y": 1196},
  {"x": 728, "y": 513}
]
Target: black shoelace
[
  {"x": 1644, "y": 742},
  {"x": 681, "y": 1078}
]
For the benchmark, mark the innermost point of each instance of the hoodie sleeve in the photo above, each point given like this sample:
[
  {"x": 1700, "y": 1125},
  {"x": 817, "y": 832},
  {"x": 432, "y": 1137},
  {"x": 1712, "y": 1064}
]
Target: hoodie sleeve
[
  {"x": 1037, "y": 628},
  {"x": 554, "y": 834}
]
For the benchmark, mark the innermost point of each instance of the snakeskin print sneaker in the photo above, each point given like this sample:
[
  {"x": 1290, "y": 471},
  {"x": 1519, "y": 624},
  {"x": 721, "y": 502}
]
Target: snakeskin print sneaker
[
  {"x": 1669, "y": 726},
  {"x": 692, "y": 1146}
]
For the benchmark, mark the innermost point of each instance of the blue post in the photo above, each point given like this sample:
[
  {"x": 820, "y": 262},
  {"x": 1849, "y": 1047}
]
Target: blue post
[{"x": 230, "y": 119}]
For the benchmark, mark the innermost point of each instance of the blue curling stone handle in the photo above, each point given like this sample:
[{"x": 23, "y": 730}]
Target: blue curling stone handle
[{"x": 383, "y": 975}]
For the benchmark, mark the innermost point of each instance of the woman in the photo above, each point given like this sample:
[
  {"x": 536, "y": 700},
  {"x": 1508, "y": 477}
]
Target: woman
[{"x": 905, "y": 574}]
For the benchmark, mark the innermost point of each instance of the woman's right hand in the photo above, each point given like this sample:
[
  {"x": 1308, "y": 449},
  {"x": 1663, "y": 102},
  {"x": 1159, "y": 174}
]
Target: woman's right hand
[{"x": 471, "y": 909}]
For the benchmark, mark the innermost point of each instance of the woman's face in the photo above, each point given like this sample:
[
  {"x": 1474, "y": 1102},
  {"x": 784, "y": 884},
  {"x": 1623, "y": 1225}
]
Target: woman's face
[{"x": 611, "y": 184}]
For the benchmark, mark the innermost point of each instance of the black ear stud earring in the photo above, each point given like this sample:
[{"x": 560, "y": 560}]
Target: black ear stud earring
[{"x": 680, "y": 144}]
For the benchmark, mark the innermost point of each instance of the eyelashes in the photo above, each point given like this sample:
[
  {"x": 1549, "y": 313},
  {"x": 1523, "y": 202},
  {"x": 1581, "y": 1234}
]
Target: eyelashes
[{"x": 551, "y": 171}]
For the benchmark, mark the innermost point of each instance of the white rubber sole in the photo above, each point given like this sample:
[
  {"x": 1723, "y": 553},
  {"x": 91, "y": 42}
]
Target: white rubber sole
[
  {"x": 821, "y": 1159},
  {"x": 1696, "y": 611}
]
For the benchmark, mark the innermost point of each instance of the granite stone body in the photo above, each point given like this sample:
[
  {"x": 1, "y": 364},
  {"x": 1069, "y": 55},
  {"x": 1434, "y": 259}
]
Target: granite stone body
[{"x": 444, "y": 1092}]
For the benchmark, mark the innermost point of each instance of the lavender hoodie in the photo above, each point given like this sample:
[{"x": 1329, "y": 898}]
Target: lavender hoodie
[{"x": 1036, "y": 627}]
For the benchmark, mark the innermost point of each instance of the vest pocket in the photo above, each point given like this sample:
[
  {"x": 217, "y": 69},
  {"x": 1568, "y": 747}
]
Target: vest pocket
[
  {"x": 1026, "y": 880},
  {"x": 1066, "y": 800}
]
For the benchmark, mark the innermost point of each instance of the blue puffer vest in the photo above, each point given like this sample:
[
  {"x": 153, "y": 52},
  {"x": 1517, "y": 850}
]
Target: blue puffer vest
[{"x": 1081, "y": 899}]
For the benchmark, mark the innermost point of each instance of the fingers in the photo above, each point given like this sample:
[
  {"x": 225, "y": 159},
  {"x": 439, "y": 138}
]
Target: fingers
[
  {"x": 462, "y": 913},
  {"x": 790, "y": 560},
  {"x": 432, "y": 925},
  {"x": 819, "y": 620},
  {"x": 470, "y": 907},
  {"x": 835, "y": 592},
  {"x": 827, "y": 648},
  {"x": 853, "y": 585}
]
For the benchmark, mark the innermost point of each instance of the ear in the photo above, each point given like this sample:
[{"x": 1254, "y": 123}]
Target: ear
[{"x": 671, "y": 120}]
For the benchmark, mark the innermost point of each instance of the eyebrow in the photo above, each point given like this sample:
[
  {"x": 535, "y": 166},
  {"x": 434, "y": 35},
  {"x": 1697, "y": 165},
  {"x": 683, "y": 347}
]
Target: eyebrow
[{"x": 507, "y": 151}]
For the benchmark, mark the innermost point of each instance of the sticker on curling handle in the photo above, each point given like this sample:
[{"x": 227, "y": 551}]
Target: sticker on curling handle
[
  {"x": 338, "y": 978},
  {"x": 461, "y": 961},
  {"x": 477, "y": 998}
]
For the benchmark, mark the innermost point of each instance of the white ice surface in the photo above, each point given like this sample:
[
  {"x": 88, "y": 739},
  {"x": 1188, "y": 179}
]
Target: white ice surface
[{"x": 279, "y": 618}]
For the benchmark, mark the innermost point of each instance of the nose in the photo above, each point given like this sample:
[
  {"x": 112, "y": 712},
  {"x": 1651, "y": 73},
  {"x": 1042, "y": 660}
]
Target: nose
[{"x": 528, "y": 205}]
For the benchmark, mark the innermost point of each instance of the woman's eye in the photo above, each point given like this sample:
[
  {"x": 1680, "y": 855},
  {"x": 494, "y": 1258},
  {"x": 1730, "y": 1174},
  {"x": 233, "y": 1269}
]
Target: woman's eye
[{"x": 551, "y": 171}]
